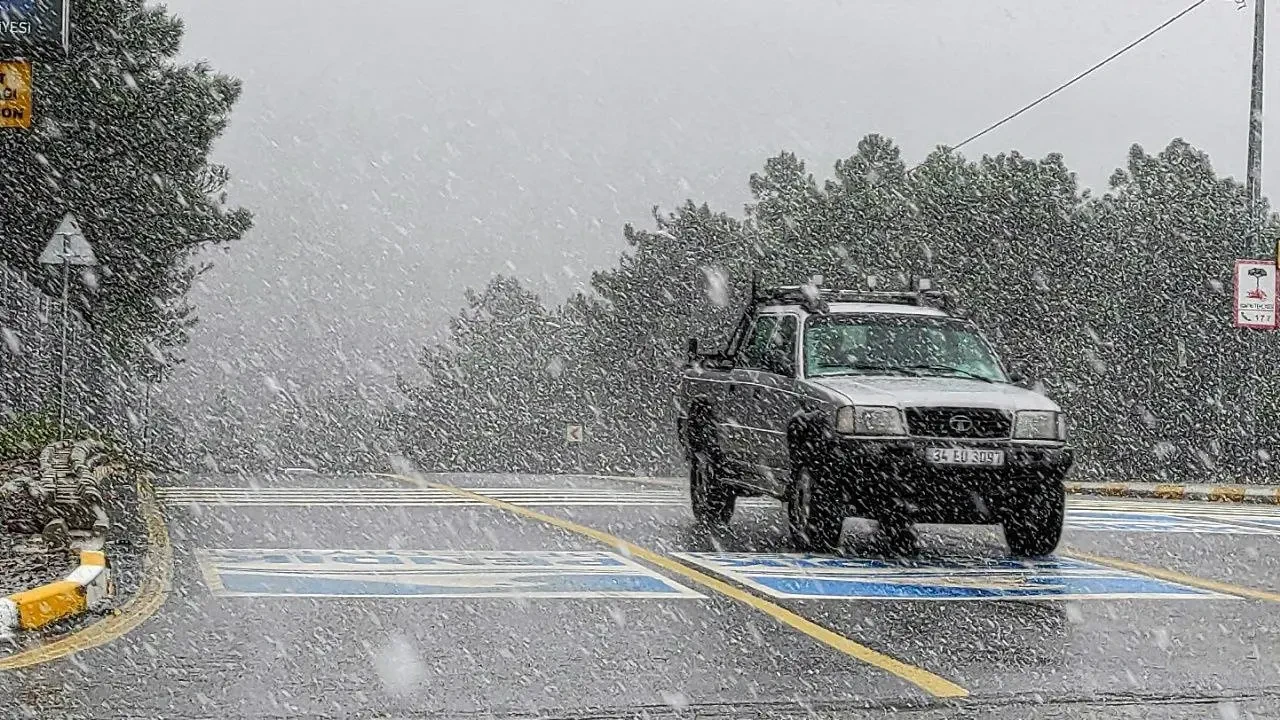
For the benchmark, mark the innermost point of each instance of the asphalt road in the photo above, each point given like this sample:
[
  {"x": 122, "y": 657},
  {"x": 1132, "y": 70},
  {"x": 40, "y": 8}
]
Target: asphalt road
[{"x": 312, "y": 596}]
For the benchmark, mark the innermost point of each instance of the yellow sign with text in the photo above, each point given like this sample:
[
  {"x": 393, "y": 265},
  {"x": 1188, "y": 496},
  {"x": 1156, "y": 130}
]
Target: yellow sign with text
[{"x": 15, "y": 93}]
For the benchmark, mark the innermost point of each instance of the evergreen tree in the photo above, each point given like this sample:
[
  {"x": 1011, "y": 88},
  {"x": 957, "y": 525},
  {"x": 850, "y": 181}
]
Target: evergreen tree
[{"x": 121, "y": 138}]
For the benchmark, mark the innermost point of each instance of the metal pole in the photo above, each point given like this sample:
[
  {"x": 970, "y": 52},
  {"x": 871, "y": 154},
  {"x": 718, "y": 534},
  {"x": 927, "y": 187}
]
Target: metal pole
[
  {"x": 1253, "y": 181},
  {"x": 1253, "y": 189},
  {"x": 146, "y": 420},
  {"x": 62, "y": 374}
]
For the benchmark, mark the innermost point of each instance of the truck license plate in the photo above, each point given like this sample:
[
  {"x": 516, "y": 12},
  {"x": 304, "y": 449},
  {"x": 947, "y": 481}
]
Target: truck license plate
[{"x": 965, "y": 456}]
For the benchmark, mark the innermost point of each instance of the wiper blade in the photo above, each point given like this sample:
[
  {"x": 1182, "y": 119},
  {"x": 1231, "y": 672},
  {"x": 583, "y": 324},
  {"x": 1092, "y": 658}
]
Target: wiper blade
[
  {"x": 863, "y": 367},
  {"x": 952, "y": 369}
]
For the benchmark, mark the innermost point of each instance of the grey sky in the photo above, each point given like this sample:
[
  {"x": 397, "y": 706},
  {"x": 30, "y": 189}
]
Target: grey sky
[{"x": 397, "y": 151}]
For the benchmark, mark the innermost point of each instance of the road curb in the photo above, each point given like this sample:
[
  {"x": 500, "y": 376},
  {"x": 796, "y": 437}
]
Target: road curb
[
  {"x": 1154, "y": 491},
  {"x": 84, "y": 589}
]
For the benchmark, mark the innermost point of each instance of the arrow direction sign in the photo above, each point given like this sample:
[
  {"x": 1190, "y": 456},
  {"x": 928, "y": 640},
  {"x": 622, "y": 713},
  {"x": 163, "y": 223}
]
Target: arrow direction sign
[{"x": 68, "y": 245}]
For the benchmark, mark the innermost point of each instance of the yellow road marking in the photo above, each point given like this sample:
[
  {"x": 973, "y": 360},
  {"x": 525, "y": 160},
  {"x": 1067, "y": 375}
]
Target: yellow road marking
[
  {"x": 1175, "y": 576},
  {"x": 933, "y": 684},
  {"x": 154, "y": 590}
]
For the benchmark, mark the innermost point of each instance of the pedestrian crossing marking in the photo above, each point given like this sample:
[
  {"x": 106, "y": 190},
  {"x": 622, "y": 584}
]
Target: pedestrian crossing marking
[
  {"x": 1118, "y": 516},
  {"x": 323, "y": 496}
]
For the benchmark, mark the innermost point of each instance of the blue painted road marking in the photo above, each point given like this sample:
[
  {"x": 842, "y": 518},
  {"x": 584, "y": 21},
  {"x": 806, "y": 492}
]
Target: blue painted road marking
[
  {"x": 827, "y": 577},
  {"x": 398, "y": 573}
]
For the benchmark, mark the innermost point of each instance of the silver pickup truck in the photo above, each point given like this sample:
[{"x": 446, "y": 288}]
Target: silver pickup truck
[{"x": 890, "y": 406}]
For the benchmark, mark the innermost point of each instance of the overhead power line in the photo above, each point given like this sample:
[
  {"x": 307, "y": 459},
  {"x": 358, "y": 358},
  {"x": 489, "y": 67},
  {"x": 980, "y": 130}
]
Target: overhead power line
[{"x": 1079, "y": 77}]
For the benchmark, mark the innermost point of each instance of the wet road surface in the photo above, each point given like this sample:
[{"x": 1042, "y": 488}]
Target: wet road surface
[{"x": 363, "y": 596}]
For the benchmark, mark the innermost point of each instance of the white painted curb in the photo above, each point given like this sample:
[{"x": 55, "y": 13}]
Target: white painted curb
[{"x": 8, "y": 614}]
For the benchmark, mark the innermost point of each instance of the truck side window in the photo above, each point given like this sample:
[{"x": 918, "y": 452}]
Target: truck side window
[
  {"x": 781, "y": 353},
  {"x": 753, "y": 350}
]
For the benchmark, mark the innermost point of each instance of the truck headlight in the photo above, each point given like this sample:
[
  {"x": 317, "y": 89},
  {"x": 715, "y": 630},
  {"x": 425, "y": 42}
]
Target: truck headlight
[
  {"x": 1039, "y": 425},
  {"x": 869, "y": 420}
]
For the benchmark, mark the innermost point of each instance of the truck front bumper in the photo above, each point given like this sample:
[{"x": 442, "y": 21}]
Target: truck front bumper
[{"x": 877, "y": 476}]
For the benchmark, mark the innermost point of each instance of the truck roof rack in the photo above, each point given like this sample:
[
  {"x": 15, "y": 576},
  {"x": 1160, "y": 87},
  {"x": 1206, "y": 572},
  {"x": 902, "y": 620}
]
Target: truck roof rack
[{"x": 818, "y": 300}]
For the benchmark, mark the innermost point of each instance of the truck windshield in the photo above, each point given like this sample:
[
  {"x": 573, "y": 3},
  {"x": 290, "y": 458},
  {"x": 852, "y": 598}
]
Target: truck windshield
[{"x": 891, "y": 344}]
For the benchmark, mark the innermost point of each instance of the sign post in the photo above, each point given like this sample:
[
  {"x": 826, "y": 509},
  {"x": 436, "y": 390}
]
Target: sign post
[{"x": 67, "y": 247}]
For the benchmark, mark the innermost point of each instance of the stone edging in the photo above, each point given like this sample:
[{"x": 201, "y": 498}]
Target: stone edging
[
  {"x": 1267, "y": 495},
  {"x": 89, "y": 584}
]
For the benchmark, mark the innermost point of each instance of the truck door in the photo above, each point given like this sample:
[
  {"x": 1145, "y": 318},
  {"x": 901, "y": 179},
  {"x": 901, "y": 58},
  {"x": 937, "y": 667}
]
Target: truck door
[
  {"x": 776, "y": 398},
  {"x": 741, "y": 425}
]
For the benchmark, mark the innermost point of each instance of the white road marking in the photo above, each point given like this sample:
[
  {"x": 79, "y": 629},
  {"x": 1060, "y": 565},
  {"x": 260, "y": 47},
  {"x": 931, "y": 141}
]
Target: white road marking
[
  {"x": 1104, "y": 515},
  {"x": 824, "y": 577},
  {"x": 296, "y": 572},
  {"x": 414, "y": 496}
]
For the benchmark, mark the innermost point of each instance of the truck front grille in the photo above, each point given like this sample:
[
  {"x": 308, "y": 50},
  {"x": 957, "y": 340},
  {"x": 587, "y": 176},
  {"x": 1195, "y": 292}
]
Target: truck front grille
[{"x": 959, "y": 422}]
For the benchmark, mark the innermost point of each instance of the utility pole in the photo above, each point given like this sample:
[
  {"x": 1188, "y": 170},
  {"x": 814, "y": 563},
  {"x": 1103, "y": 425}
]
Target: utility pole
[
  {"x": 1253, "y": 188},
  {"x": 1253, "y": 181}
]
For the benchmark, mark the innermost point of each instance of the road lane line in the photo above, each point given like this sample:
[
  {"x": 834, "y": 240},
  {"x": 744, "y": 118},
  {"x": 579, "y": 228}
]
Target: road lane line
[
  {"x": 1175, "y": 576},
  {"x": 932, "y": 684},
  {"x": 152, "y": 593}
]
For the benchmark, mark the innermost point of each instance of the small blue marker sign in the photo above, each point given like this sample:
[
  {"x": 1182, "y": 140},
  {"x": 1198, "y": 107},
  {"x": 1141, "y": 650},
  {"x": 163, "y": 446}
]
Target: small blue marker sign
[
  {"x": 419, "y": 574},
  {"x": 823, "y": 577}
]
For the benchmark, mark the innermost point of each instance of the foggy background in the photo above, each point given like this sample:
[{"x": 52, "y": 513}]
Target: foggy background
[{"x": 396, "y": 151}]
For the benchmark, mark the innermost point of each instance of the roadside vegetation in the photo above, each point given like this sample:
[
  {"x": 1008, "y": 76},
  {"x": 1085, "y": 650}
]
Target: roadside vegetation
[{"x": 1118, "y": 302}]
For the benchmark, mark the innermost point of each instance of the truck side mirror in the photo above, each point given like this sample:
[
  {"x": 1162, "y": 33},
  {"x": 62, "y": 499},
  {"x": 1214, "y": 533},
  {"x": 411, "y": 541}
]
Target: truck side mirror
[{"x": 1017, "y": 376}]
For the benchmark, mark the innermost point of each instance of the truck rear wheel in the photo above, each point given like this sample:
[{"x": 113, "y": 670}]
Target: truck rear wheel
[
  {"x": 1033, "y": 518},
  {"x": 711, "y": 500}
]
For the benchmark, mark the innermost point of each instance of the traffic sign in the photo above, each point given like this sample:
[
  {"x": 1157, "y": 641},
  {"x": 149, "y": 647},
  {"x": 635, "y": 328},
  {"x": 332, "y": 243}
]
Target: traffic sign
[
  {"x": 968, "y": 578},
  {"x": 1255, "y": 294},
  {"x": 35, "y": 28},
  {"x": 15, "y": 93},
  {"x": 573, "y": 433},
  {"x": 68, "y": 244}
]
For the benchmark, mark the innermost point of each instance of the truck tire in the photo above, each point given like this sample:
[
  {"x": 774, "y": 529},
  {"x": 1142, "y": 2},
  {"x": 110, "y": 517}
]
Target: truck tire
[
  {"x": 711, "y": 499},
  {"x": 815, "y": 517},
  {"x": 1033, "y": 518}
]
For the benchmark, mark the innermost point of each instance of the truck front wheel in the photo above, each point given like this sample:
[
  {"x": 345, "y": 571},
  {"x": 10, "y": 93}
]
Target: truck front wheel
[
  {"x": 1033, "y": 518},
  {"x": 814, "y": 516}
]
